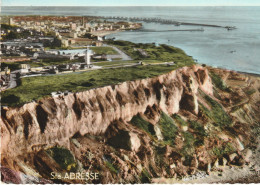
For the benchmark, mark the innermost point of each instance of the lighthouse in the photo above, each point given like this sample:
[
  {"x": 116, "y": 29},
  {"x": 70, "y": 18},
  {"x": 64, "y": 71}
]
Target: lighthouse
[{"x": 88, "y": 54}]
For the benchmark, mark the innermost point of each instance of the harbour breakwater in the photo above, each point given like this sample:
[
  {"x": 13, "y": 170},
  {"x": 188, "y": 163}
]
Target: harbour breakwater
[{"x": 162, "y": 21}]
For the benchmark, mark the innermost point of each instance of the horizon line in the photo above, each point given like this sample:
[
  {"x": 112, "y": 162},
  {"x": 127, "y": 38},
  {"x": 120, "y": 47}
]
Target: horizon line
[{"x": 131, "y": 5}]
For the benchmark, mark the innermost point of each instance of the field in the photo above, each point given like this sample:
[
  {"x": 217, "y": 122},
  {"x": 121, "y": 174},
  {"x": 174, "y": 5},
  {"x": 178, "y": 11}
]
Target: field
[{"x": 104, "y": 50}]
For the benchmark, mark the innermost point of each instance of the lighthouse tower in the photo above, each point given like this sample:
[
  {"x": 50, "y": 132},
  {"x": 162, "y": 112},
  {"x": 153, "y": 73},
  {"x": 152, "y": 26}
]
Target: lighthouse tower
[{"x": 88, "y": 54}]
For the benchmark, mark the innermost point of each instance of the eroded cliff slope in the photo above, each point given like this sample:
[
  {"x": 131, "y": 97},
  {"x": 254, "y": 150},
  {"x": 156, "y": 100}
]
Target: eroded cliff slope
[{"x": 172, "y": 125}]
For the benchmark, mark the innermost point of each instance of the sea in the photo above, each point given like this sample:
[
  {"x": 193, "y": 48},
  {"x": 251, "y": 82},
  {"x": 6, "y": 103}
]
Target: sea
[{"x": 237, "y": 49}]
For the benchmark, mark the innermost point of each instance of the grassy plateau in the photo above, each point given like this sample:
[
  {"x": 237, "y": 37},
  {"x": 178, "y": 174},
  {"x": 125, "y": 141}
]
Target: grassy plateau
[{"x": 35, "y": 88}]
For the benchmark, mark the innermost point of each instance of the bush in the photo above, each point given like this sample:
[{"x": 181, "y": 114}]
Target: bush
[
  {"x": 226, "y": 149},
  {"x": 64, "y": 158},
  {"x": 218, "y": 82},
  {"x": 198, "y": 128},
  {"x": 188, "y": 147},
  {"x": 145, "y": 176},
  {"x": 144, "y": 125},
  {"x": 178, "y": 119},
  {"x": 168, "y": 128},
  {"x": 217, "y": 114}
]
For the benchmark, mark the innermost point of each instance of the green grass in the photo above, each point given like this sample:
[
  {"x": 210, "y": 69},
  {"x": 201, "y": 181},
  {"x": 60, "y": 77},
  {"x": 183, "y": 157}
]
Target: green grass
[
  {"x": 104, "y": 50},
  {"x": 107, "y": 63},
  {"x": 179, "y": 120},
  {"x": 168, "y": 128},
  {"x": 63, "y": 157},
  {"x": 217, "y": 113},
  {"x": 34, "y": 88},
  {"x": 118, "y": 63},
  {"x": 111, "y": 167},
  {"x": 227, "y": 148},
  {"x": 188, "y": 145},
  {"x": 198, "y": 128},
  {"x": 163, "y": 52},
  {"x": 145, "y": 177},
  {"x": 144, "y": 125},
  {"x": 218, "y": 82}
]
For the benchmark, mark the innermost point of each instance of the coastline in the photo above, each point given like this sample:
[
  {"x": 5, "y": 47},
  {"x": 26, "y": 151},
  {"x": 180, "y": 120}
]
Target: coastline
[
  {"x": 229, "y": 175},
  {"x": 231, "y": 70},
  {"x": 105, "y": 33}
]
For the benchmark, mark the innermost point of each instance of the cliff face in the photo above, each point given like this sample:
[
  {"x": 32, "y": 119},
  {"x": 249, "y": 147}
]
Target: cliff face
[{"x": 167, "y": 126}]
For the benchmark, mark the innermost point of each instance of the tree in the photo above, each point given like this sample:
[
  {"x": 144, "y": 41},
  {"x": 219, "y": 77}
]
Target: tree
[
  {"x": 11, "y": 35},
  {"x": 56, "y": 43}
]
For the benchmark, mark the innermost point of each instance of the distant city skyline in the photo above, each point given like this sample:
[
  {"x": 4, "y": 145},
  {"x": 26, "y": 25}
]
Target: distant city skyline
[{"x": 130, "y": 3}]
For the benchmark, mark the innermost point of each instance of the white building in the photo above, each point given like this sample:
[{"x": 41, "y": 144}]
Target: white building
[{"x": 88, "y": 54}]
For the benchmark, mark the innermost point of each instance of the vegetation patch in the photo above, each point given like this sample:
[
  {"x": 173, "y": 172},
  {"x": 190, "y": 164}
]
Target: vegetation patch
[
  {"x": 179, "y": 120},
  {"x": 111, "y": 167},
  {"x": 152, "y": 52},
  {"x": 217, "y": 114},
  {"x": 188, "y": 145},
  {"x": 109, "y": 164},
  {"x": 218, "y": 82},
  {"x": 104, "y": 50},
  {"x": 168, "y": 128},
  {"x": 64, "y": 158},
  {"x": 159, "y": 152},
  {"x": 198, "y": 128},
  {"x": 250, "y": 92},
  {"x": 144, "y": 125},
  {"x": 225, "y": 149},
  {"x": 145, "y": 176}
]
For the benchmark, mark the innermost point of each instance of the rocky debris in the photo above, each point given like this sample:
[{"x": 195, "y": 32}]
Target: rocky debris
[
  {"x": 223, "y": 162},
  {"x": 181, "y": 170},
  {"x": 194, "y": 164},
  {"x": 247, "y": 153},
  {"x": 172, "y": 166},
  {"x": 152, "y": 113},
  {"x": 119, "y": 136},
  {"x": 13, "y": 177},
  {"x": 134, "y": 142},
  {"x": 197, "y": 175},
  {"x": 208, "y": 168},
  {"x": 239, "y": 161},
  {"x": 216, "y": 164},
  {"x": 158, "y": 133},
  {"x": 232, "y": 156}
]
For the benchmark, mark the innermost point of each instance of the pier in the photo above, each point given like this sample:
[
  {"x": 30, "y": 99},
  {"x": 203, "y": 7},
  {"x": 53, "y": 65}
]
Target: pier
[
  {"x": 151, "y": 30},
  {"x": 162, "y": 21}
]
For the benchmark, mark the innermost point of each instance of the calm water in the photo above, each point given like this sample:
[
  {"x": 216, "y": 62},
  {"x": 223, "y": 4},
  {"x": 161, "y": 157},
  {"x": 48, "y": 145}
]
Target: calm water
[{"x": 237, "y": 49}]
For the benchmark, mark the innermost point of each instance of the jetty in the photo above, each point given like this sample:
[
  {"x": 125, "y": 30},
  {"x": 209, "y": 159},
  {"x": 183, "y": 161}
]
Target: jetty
[
  {"x": 152, "y": 30},
  {"x": 162, "y": 21}
]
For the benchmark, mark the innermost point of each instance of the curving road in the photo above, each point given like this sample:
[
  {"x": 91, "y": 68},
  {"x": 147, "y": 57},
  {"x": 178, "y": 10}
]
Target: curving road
[{"x": 120, "y": 52}]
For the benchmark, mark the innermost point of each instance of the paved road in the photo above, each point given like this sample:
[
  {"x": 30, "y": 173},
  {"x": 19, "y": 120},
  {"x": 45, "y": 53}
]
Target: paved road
[
  {"x": 121, "y": 54},
  {"x": 13, "y": 79}
]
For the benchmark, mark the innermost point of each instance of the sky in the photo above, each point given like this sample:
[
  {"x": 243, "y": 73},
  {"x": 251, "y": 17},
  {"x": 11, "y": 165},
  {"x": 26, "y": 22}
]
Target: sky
[{"x": 130, "y": 3}]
